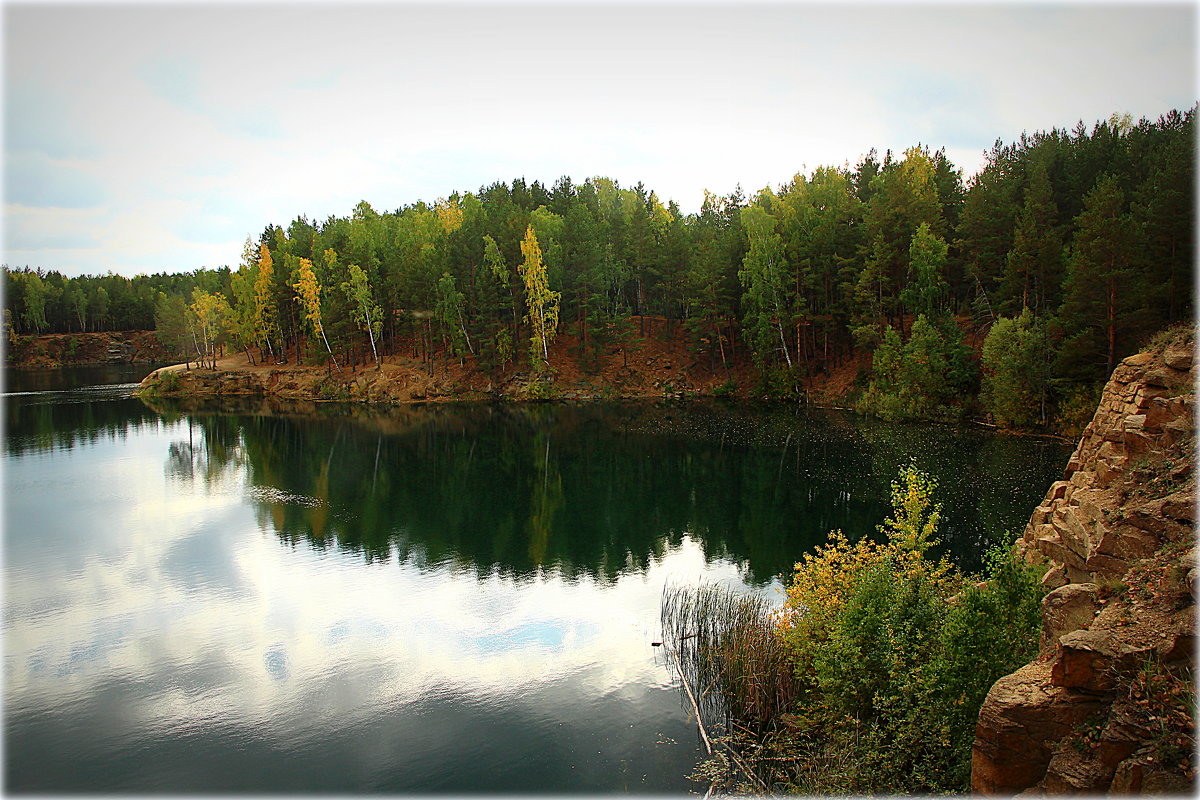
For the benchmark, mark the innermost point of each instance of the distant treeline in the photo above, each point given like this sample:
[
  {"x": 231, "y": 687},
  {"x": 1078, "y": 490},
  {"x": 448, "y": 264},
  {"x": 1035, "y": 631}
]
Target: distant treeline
[{"x": 1090, "y": 233}]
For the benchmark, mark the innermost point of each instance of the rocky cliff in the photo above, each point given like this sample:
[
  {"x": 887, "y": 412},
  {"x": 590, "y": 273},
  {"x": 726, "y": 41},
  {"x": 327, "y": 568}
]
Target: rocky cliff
[{"x": 1107, "y": 705}]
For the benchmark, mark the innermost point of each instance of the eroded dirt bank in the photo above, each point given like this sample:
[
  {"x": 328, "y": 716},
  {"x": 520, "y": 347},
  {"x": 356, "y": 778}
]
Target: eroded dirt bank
[{"x": 659, "y": 365}]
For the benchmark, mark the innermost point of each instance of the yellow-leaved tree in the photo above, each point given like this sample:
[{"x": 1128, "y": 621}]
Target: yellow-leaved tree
[
  {"x": 308, "y": 295},
  {"x": 266, "y": 320},
  {"x": 540, "y": 300}
]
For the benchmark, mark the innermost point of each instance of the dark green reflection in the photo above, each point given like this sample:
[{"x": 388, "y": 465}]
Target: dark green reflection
[
  {"x": 57, "y": 409},
  {"x": 599, "y": 489}
]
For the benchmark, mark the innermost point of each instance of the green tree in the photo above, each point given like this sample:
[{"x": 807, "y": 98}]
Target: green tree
[
  {"x": 367, "y": 314},
  {"x": 904, "y": 195},
  {"x": 1098, "y": 291},
  {"x": 449, "y": 314},
  {"x": 1015, "y": 364},
  {"x": 764, "y": 276},
  {"x": 926, "y": 377},
  {"x": 171, "y": 325},
  {"x": 1033, "y": 267},
  {"x": 927, "y": 291}
]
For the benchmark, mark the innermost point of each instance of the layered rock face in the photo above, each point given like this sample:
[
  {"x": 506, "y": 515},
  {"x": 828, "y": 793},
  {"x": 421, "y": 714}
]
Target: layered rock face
[{"x": 1118, "y": 623}]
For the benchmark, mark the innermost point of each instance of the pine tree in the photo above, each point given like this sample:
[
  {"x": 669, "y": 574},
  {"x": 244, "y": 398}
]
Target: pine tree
[
  {"x": 1033, "y": 267},
  {"x": 1098, "y": 294}
]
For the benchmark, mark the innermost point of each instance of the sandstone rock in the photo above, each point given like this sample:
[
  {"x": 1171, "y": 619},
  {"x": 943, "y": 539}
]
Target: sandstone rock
[
  {"x": 1146, "y": 520},
  {"x": 1180, "y": 506},
  {"x": 1160, "y": 377},
  {"x": 1136, "y": 775},
  {"x": 1127, "y": 778},
  {"x": 1178, "y": 646},
  {"x": 1058, "y": 489},
  {"x": 1051, "y": 546},
  {"x": 1068, "y": 608},
  {"x": 1022, "y": 715},
  {"x": 1104, "y": 475},
  {"x": 1137, "y": 443},
  {"x": 1138, "y": 360},
  {"x": 1083, "y": 480},
  {"x": 1093, "y": 526},
  {"x": 1070, "y": 772},
  {"x": 1127, "y": 542},
  {"x": 1159, "y": 411},
  {"x": 1089, "y": 512},
  {"x": 1092, "y": 660},
  {"x": 1055, "y": 577},
  {"x": 1072, "y": 531},
  {"x": 1178, "y": 357},
  {"x": 1105, "y": 567},
  {"x": 1134, "y": 422},
  {"x": 1178, "y": 429}
]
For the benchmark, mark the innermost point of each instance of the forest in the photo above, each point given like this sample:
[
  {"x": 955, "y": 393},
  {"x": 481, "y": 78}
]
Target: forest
[{"x": 1060, "y": 257}]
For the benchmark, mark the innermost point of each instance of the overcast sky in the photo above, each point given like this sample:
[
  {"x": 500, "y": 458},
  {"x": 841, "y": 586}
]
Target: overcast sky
[{"x": 156, "y": 137}]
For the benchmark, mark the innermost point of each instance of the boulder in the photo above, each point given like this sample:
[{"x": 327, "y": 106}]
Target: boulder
[
  {"x": 1068, "y": 608},
  {"x": 1138, "y": 360},
  {"x": 1092, "y": 660},
  {"x": 1023, "y": 714},
  {"x": 1178, "y": 357},
  {"x": 1072, "y": 772}
]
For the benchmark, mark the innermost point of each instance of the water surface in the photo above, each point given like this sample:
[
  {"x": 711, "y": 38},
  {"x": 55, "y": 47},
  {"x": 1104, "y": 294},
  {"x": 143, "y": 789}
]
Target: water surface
[{"x": 440, "y": 599}]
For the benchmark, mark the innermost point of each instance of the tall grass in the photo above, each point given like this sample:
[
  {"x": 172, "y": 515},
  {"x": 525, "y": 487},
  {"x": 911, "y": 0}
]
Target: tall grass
[{"x": 729, "y": 652}]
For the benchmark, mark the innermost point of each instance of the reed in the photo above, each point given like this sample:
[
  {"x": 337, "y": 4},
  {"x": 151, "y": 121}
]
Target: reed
[{"x": 729, "y": 654}]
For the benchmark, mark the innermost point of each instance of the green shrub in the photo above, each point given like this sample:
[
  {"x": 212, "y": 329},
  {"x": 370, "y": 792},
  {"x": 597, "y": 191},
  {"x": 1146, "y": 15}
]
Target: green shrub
[
  {"x": 893, "y": 653},
  {"x": 1015, "y": 363},
  {"x": 1076, "y": 408}
]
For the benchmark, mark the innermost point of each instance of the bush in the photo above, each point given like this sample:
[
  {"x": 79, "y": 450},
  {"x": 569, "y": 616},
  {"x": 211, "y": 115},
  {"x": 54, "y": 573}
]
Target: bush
[
  {"x": 893, "y": 653},
  {"x": 1015, "y": 363},
  {"x": 1076, "y": 408}
]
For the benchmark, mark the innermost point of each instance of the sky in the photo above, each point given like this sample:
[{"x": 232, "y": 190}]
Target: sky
[{"x": 156, "y": 137}]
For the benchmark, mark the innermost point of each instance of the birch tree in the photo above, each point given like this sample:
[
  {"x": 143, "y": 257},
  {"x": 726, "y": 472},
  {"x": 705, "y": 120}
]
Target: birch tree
[
  {"x": 541, "y": 301},
  {"x": 266, "y": 317},
  {"x": 308, "y": 295},
  {"x": 764, "y": 276},
  {"x": 367, "y": 314}
]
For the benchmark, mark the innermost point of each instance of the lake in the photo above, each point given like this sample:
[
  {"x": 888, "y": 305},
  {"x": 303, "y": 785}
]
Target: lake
[{"x": 204, "y": 597}]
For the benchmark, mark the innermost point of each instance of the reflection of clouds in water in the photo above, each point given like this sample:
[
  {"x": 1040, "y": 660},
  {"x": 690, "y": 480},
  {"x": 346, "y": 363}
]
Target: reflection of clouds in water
[
  {"x": 276, "y": 662},
  {"x": 195, "y": 580},
  {"x": 204, "y": 561}
]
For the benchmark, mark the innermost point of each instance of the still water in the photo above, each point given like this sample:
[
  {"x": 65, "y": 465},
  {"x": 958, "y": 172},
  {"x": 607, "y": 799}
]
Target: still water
[{"x": 429, "y": 599}]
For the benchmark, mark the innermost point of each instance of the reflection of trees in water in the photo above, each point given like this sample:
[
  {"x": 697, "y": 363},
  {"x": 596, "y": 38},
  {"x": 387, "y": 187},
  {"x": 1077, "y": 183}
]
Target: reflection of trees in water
[
  {"x": 211, "y": 452},
  {"x": 988, "y": 483},
  {"x": 592, "y": 490},
  {"x": 38, "y": 423}
]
